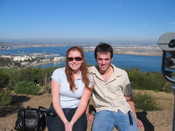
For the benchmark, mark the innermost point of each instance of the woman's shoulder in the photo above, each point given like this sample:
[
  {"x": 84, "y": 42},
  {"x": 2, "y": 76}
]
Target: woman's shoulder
[
  {"x": 60, "y": 70},
  {"x": 58, "y": 74}
]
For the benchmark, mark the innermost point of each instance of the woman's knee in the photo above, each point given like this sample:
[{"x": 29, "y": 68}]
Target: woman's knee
[{"x": 81, "y": 124}]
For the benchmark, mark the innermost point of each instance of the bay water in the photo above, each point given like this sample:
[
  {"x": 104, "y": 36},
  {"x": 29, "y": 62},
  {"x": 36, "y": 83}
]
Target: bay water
[{"x": 143, "y": 63}]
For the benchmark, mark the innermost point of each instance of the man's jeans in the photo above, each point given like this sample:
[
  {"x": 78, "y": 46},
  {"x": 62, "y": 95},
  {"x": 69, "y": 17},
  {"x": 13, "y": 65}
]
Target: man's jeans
[{"x": 106, "y": 120}]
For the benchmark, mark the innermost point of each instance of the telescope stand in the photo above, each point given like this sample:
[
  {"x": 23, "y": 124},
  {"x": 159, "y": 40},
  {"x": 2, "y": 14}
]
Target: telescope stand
[{"x": 173, "y": 120}]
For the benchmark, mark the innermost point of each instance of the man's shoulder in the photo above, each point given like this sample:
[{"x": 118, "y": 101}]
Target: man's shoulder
[
  {"x": 92, "y": 69},
  {"x": 118, "y": 70}
]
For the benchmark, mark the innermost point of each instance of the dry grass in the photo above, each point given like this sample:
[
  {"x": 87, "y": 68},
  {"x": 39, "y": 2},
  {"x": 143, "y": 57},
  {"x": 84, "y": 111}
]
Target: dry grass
[{"x": 155, "y": 120}]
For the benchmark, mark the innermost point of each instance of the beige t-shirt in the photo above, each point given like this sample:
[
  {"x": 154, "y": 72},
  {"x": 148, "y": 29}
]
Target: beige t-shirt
[{"x": 109, "y": 95}]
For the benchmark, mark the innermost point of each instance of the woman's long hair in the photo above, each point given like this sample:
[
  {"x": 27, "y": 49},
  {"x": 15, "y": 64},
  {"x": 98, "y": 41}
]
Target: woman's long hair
[{"x": 83, "y": 69}]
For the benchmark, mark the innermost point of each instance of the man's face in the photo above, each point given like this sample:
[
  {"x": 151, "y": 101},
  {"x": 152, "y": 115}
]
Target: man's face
[{"x": 103, "y": 61}]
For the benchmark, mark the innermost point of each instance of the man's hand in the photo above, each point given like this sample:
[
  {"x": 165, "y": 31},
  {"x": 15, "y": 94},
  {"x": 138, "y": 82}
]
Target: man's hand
[
  {"x": 90, "y": 118},
  {"x": 139, "y": 123}
]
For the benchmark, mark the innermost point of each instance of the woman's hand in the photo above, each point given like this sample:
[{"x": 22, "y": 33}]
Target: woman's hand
[{"x": 68, "y": 126}]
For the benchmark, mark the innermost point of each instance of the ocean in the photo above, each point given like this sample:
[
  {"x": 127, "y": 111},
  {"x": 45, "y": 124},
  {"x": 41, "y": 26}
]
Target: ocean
[{"x": 143, "y": 63}]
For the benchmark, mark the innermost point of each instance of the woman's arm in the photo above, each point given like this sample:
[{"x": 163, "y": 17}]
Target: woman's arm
[
  {"x": 82, "y": 106},
  {"x": 56, "y": 100}
]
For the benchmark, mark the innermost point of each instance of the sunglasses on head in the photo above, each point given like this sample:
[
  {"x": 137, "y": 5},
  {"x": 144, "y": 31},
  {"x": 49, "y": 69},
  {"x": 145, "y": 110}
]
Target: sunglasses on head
[{"x": 74, "y": 58}]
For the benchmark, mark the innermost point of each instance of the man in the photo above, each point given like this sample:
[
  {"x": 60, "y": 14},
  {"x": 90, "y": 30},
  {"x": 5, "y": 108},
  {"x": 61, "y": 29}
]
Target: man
[{"x": 112, "y": 94}]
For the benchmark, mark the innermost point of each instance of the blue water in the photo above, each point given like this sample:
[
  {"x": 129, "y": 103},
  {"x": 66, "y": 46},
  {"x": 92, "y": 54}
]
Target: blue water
[
  {"x": 143, "y": 63},
  {"x": 51, "y": 50}
]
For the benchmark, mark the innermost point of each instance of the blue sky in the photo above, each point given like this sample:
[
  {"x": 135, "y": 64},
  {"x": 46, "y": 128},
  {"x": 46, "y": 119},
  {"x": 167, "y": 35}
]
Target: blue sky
[{"x": 118, "y": 20}]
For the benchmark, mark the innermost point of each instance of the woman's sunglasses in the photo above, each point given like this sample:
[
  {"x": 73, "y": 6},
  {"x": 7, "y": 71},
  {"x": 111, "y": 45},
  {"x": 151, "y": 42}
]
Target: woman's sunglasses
[{"x": 74, "y": 58}]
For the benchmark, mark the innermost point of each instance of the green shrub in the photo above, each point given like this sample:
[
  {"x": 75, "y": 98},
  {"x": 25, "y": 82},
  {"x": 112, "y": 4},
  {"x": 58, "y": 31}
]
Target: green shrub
[
  {"x": 4, "y": 79},
  {"x": 39, "y": 76},
  {"x": 148, "y": 81},
  {"x": 145, "y": 102},
  {"x": 5, "y": 98},
  {"x": 27, "y": 87},
  {"x": 9, "y": 77}
]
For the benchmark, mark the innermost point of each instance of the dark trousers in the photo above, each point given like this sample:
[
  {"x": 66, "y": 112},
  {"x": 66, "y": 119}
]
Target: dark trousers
[{"x": 54, "y": 123}]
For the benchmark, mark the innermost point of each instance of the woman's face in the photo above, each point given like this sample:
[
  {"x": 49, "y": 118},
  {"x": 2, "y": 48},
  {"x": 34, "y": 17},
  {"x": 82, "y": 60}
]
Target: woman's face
[{"x": 74, "y": 60}]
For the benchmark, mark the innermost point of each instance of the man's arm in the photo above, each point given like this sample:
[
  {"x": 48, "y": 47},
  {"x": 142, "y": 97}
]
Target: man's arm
[{"x": 131, "y": 103}]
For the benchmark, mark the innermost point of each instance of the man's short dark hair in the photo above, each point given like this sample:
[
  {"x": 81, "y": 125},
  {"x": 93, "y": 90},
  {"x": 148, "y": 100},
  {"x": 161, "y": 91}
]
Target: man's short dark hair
[{"x": 103, "y": 47}]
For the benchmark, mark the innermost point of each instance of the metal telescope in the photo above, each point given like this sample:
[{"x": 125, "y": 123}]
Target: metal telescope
[{"x": 167, "y": 43}]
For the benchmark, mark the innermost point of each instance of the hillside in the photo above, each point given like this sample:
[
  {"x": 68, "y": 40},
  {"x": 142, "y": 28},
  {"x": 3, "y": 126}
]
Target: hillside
[{"x": 153, "y": 120}]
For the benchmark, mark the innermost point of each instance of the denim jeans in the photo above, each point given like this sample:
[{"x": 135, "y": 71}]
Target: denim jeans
[
  {"x": 107, "y": 120},
  {"x": 54, "y": 123}
]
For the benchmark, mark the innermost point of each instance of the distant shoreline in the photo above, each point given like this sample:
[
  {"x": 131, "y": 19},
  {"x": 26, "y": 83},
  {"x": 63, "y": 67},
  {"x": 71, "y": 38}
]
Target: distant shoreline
[
  {"x": 151, "y": 50},
  {"x": 144, "y": 53},
  {"x": 134, "y": 50}
]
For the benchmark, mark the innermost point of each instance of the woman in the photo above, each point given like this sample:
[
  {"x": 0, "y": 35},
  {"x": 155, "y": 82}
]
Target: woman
[{"x": 71, "y": 91}]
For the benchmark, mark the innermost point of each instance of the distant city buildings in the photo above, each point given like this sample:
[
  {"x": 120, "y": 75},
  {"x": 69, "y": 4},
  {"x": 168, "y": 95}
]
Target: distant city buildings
[
  {"x": 3, "y": 47},
  {"x": 28, "y": 60},
  {"x": 22, "y": 58}
]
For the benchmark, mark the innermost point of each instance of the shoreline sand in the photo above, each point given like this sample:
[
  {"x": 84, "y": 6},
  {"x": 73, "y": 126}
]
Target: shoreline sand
[
  {"x": 149, "y": 50},
  {"x": 134, "y": 50}
]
